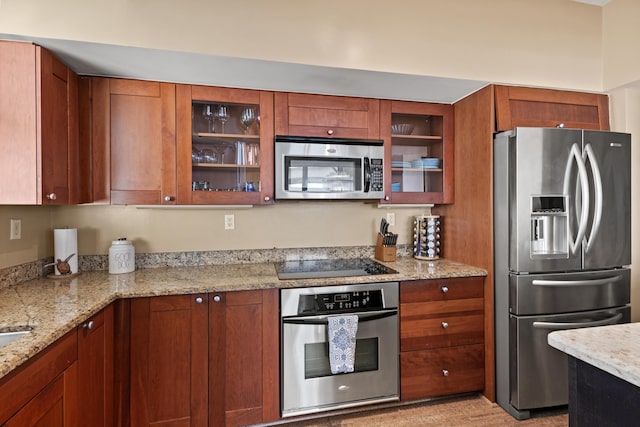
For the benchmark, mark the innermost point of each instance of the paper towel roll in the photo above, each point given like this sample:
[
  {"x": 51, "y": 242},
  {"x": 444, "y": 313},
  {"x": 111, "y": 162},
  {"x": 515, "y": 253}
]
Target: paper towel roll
[{"x": 65, "y": 243}]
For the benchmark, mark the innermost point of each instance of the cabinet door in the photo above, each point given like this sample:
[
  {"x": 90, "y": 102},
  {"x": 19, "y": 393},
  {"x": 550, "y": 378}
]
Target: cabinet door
[
  {"x": 54, "y": 406},
  {"x": 169, "y": 361},
  {"x": 418, "y": 152},
  {"x": 244, "y": 349},
  {"x": 95, "y": 370},
  {"x": 134, "y": 142},
  {"x": 225, "y": 146},
  {"x": 534, "y": 107},
  {"x": 327, "y": 116}
]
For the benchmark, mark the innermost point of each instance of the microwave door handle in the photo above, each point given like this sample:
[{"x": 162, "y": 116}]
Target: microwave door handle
[
  {"x": 367, "y": 174},
  {"x": 597, "y": 183},
  {"x": 575, "y": 325}
]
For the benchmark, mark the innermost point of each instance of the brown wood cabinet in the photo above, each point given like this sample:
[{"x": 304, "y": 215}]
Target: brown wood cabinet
[
  {"x": 243, "y": 340},
  {"x": 39, "y": 127},
  {"x": 415, "y": 132},
  {"x": 199, "y": 360},
  {"x": 169, "y": 367},
  {"x": 327, "y": 116},
  {"x": 44, "y": 391},
  {"x": 468, "y": 234},
  {"x": 223, "y": 159},
  {"x": 534, "y": 107},
  {"x": 133, "y": 141},
  {"x": 441, "y": 337},
  {"x": 96, "y": 370}
]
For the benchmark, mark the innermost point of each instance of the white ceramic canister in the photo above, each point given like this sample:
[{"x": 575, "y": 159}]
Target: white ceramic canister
[{"x": 122, "y": 257}]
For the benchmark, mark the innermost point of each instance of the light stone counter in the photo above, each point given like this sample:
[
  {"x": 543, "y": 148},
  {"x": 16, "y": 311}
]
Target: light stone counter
[
  {"x": 53, "y": 307},
  {"x": 614, "y": 349}
]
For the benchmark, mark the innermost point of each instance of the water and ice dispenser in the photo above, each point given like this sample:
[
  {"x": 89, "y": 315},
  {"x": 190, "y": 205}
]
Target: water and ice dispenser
[{"x": 549, "y": 227}]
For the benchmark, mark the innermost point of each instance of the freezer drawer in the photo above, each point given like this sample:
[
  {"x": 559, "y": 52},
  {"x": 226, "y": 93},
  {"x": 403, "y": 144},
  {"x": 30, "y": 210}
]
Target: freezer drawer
[
  {"x": 539, "y": 373},
  {"x": 531, "y": 294}
]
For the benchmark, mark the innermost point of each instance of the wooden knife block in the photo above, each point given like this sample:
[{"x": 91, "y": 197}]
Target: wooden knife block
[{"x": 384, "y": 253}]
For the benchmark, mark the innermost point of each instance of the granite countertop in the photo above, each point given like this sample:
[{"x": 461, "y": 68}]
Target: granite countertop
[
  {"x": 53, "y": 307},
  {"x": 614, "y": 349}
]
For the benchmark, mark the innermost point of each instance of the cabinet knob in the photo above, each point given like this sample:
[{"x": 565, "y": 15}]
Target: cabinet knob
[
  {"x": 330, "y": 132},
  {"x": 88, "y": 325},
  {"x": 560, "y": 125},
  {"x": 386, "y": 198},
  {"x": 445, "y": 372},
  {"x": 199, "y": 300},
  {"x": 217, "y": 298},
  {"x": 168, "y": 198},
  {"x": 267, "y": 198},
  {"x": 444, "y": 289},
  {"x": 445, "y": 325},
  {"x": 51, "y": 196}
]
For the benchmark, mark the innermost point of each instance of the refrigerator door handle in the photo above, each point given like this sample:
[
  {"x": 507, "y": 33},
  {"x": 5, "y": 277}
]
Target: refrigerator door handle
[
  {"x": 583, "y": 179},
  {"x": 596, "y": 282},
  {"x": 575, "y": 325},
  {"x": 597, "y": 182}
]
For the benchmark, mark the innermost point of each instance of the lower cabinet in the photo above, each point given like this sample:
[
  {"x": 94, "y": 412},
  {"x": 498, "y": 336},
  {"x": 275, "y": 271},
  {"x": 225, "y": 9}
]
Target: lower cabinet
[
  {"x": 441, "y": 337},
  {"x": 44, "y": 391},
  {"x": 205, "y": 359}
]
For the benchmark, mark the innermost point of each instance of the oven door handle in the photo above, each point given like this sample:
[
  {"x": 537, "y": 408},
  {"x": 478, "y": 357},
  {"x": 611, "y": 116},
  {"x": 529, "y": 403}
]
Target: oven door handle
[
  {"x": 575, "y": 325},
  {"x": 323, "y": 320}
]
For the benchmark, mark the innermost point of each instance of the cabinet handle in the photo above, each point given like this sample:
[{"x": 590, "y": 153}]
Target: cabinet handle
[
  {"x": 216, "y": 298},
  {"x": 444, "y": 289},
  {"x": 267, "y": 198},
  {"x": 199, "y": 300},
  {"x": 88, "y": 325},
  {"x": 168, "y": 198},
  {"x": 445, "y": 325},
  {"x": 445, "y": 372},
  {"x": 51, "y": 196},
  {"x": 330, "y": 132}
]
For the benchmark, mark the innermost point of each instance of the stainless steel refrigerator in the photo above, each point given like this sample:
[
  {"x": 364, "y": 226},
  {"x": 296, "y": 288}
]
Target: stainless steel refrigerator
[{"x": 562, "y": 239}]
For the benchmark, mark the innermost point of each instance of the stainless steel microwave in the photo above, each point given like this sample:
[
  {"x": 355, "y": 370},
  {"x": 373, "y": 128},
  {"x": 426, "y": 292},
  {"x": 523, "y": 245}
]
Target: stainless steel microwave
[{"x": 328, "y": 168}]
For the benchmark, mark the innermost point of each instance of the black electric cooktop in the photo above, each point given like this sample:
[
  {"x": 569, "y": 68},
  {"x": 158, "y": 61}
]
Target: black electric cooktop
[{"x": 319, "y": 268}]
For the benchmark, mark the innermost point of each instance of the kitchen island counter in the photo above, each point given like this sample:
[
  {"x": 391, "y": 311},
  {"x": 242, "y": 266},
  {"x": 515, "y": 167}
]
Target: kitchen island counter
[{"x": 53, "y": 307}]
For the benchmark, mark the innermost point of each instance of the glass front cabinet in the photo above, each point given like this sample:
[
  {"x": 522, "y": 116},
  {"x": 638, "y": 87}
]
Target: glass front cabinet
[
  {"x": 225, "y": 145},
  {"x": 418, "y": 141}
]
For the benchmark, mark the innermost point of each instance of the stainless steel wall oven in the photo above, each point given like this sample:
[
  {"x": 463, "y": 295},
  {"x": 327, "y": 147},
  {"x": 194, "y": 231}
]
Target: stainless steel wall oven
[{"x": 308, "y": 385}]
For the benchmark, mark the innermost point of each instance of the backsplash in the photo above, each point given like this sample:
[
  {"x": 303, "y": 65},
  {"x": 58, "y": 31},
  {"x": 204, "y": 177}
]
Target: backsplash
[{"x": 28, "y": 271}]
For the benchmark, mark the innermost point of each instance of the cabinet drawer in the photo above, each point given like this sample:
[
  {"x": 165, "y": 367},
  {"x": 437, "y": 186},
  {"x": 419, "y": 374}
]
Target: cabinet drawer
[
  {"x": 441, "y": 372},
  {"x": 441, "y": 289}
]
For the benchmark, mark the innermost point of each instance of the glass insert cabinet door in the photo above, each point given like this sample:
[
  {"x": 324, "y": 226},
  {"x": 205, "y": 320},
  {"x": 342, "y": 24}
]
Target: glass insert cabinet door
[
  {"x": 227, "y": 135},
  {"x": 419, "y": 152}
]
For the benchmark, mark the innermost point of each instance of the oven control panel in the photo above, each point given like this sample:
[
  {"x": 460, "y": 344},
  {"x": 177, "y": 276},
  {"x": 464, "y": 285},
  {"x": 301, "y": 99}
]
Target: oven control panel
[{"x": 340, "y": 302}]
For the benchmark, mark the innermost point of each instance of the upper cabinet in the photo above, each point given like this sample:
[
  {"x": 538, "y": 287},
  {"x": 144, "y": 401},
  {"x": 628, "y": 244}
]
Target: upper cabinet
[
  {"x": 532, "y": 107},
  {"x": 418, "y": 151},
  {"x": 225, "y": 146},
  {"x": 134, "y": 141},
  {"x": 39, "y": 128},
  {"x": 327, "y": 116}
]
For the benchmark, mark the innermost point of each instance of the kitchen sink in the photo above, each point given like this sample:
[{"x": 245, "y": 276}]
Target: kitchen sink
[{"x": 9, "y": 337}]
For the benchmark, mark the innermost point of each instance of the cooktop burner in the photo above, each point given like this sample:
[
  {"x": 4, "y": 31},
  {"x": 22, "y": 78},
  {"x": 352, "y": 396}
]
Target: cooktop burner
[{"x": 319, "y": 268}]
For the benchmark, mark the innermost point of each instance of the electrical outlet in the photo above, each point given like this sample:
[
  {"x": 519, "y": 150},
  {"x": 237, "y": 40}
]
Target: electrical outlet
[
  {"x": 391, "y": 218},
  {"x": 15, "y": 232},
  {"x": 229, "y": 222}
]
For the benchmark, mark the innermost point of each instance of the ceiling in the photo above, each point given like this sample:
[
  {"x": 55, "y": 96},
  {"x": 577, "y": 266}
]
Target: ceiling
[{"x": 99, "y": 59}]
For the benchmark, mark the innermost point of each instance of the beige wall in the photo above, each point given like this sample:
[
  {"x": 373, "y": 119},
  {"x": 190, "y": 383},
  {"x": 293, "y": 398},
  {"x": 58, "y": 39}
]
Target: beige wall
[
  {"x": 621, "y": 36},
  {"x": 541, "y": 42},
  {"x": 36, "y": 241}
]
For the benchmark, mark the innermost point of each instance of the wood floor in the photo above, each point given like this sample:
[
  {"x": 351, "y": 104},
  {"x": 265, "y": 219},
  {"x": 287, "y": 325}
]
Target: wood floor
[{"x": 465, "y": 411}]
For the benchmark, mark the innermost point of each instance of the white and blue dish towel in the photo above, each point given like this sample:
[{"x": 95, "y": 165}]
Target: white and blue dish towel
[{"x": 342, "y": 343}]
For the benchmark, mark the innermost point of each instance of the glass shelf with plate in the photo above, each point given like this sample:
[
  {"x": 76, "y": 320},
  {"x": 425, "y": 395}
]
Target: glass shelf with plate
[
  {"x": 418, "y": 152},
  {"x": 227, "y": 146}
]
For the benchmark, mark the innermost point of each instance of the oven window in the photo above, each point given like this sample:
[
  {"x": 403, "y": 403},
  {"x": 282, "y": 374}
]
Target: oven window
[
  {"x": 316, "y": 358},
  {"x": 322, "y": 175}
]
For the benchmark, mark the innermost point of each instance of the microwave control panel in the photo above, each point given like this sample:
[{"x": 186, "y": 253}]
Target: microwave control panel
[
  {"x": 340, "y": 302},
  {"x": 377, "y": 183}
]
